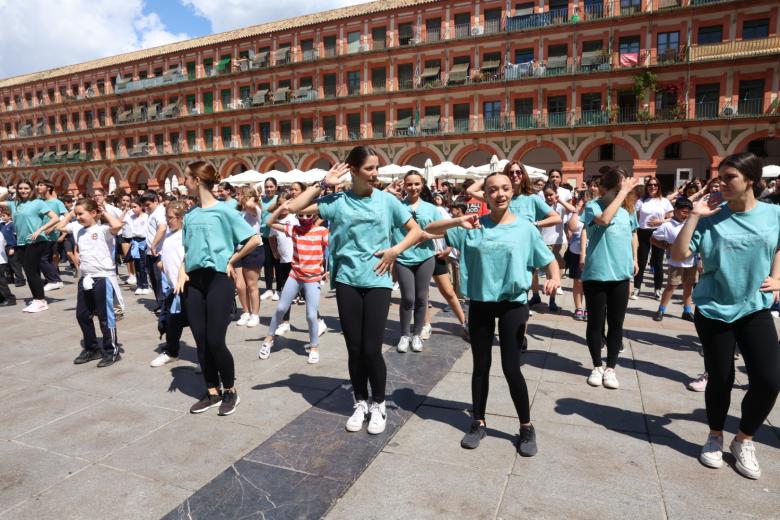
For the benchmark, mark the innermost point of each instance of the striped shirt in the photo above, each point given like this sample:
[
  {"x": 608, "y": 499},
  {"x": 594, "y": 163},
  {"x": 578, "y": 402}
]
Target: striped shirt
[{"x": 308, "y": 252}]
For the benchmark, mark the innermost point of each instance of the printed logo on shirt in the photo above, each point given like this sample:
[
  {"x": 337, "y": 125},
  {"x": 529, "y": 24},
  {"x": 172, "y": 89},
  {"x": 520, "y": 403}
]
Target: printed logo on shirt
[{"x": 94, "y": 236}]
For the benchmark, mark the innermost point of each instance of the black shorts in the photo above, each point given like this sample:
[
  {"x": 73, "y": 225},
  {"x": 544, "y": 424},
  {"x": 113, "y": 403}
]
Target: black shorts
[
  {"x": 254, "y": 260},
  {"x": 69, "y": 245},
  {"x": 573, "y": 264},
  {"x": 440, "y": 267}
]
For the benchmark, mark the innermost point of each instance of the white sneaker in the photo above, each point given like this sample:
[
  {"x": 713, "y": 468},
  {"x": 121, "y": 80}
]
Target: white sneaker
[
  {"x": 403, "y": 344},
  {"x": 131, "y": 280},
  {"x": 139, "y": 292},
  {"x": 253, "y": 321},
  {"x": 36, "y": 306},
  {"x": 610, "y": 379},
  {"x": 425, "y": 333},
  {"x": 282, "y": 329},
  {"x": 378, "y": 421},
  {"x": 275, "y": 297},
  {"x": 712, "y": 452},
  {"x": 658, "y": 293},
  {"x": 54, "y": 286},
  {"x": 162, "y": 359},
  {"x": 596, "y": 377},
  {"x": 265, "y": 350},
  {"x": 745, "y": 453},
  {"x": 396, "y": 287},
  {"x": 147, "y": 291},
  {"x": 416, "y": 344},
  {"x": 243, "y": 319},
  {"x": 322, "y": 328},
  {"x": 314, "y": 356},
  {"x": 266, "y": 295},
  {"x": 634, "y": 294},
  {"x": 358, "y": 417},
  {"x": 559, "y": 291}
]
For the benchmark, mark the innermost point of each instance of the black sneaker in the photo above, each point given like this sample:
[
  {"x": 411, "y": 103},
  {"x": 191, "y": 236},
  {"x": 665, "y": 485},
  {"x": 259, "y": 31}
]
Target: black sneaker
[
  {"x": 8, "y": 303},
  {"x": 206, "y": 402},
  {"x": 20, "y": 284},
  {"x": 687, "y": 316},
  {"x": 524, "y": 346},
  {"x": 476, "y": 433},
  {"x": 658, "y": 316},
  {"x": 535, "y": 300},
  {"x": 526, "y": 444},
  {"x": 109, "y": 359},
  {"x": 87, "y": 355},
  {"x": 229, "y": 402}
]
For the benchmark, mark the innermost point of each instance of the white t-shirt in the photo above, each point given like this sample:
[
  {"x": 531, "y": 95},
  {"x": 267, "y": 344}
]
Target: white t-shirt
[
  {"x": 575, "y": 240},
  {"x": 115, "y": 212},
  {"x": 127, "y": 225},
  {"x": 253, "y": 218},
  {"x": 556, "y": 234},
  {"x": 3, "y": 255},
  {"x": 73, "y": 228},
  {"x": 172, "y": 252},
  {"x": 650, "y": 208},
  {"x": 284, "y": 244},
  {"x": 668, "y": 233},
  {"x": 138, "y": 224},
  {"x": 96, "y": 250},
  {"x": 563, "y": 194},
  {"x": 156, "y": 219}
]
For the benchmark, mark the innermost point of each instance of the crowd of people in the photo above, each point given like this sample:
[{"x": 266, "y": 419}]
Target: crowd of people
[{"x": 493, "y": 247}]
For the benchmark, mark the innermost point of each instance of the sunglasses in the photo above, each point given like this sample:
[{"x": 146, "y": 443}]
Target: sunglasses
[{"x": 651, "y": 184}]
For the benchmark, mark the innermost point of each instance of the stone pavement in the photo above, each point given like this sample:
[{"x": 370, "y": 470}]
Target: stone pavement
[{"x": 83, "y": 442}]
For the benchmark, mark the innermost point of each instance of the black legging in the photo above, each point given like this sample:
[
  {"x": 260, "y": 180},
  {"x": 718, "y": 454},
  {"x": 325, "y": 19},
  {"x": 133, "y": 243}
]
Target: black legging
[
  {"x": 605, "y": 301},
  {"x": 363, "y": 315},
  {"x": 512, "y": 317},
  {"x": 757, "y": 339},
  {"x": 30, "y": 257},
  {"x": 48, "y": 268},
  {"x": 208, "y": 311},
  {"x": 656, "y": 254},
  {"x": 270, "y": 266},
  {"x": 282, "y": 273}
]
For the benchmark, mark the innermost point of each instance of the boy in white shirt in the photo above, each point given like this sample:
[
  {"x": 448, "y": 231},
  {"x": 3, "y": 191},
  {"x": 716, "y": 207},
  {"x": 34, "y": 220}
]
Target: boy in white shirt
[
  {"x": 685, "y": 272},
  {"x": 7, "y": 298}
]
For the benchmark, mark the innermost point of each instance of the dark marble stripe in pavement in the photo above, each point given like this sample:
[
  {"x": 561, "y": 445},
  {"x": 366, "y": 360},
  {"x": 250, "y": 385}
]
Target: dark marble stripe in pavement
[{"x": 301, "y": 470}]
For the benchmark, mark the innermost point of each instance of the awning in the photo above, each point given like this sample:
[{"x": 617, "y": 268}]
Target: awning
[
  {"x": 138, "y": 111},
  {"x": 281, "y": 94},
  {"x": 629, "y": 59},
  {"x": 73, "y": 154},
  {"x": 491, "y": 65},
  {"x": 403, "y": 124},
  {"x": 49, "y": 156},
  {"x": 124, "y": 116},
  {"x": 169, "y": 109},
  {"x": 153, "y": 111},
  {"x": 37, "y": 157},
  {"x": 259, "y": 97},
  {"x": 302, "y": 92},
  {"x": 282, "y": 54},
  {"x": 224, "y": 64},
  {"x": 62, "y": 155},
  {"x": 459, "y": 73},
  {"x": 592, "y": 58},
  {"x": 556, "y": 62},
  {"x": 260, "y": 58},
  {"x": 171, "y": 72},
  {"x": 431, "y": 72},
  {"x": 430, "y": 123},
  {"x": 123, "y": 81}
]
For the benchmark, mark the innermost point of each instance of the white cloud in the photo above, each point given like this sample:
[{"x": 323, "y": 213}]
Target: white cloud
[
  {"x": 232, "y": 14},
  {"x": 42, "y": 34}
]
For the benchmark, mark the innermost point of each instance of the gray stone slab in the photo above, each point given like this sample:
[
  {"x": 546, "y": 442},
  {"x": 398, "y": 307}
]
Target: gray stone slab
[
  {"x": 398, "y": 486},
  {"x": 27, "y": 471},
  {"x": 584, "y": 472},
  {"x": 252, "y": 490},
  {"x": 99, "y": 430},
  {"x": 101, "y": 492},
  {"x": 23, "y": 411}
]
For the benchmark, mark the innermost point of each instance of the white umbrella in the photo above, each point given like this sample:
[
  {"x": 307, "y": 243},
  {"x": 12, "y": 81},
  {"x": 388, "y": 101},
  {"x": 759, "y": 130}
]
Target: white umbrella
[
  {"x": 447, "y": 169},
  {"x": 771, "y": 170},
  {"x": 494, "y": 164},
  {"x": 166, "y": 185},
  {"x": 429, "y": 179},
  {"x": 247, "y": 177},
  {"x": 111, "y": 184},
  {"x": 174, "y": 182}
]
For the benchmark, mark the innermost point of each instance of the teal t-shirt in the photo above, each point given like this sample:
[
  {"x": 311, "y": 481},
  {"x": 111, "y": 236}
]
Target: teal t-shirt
[
  {"x": 360, "y": 227},
  {"x": 737, "y": 250},
  {"x": 28, "y": 217},
  {"x": 265, "y": 230},
  {"x": 211, "y": 235},
  {"x": 497, "y": 260},
  {"x": 610, "y": 256},
  {"x": 232, "y": 203},
  {"x": 59, "y": 208},
  {"x": 424, "y": 215},
  {"x": 530, "y": 207}
]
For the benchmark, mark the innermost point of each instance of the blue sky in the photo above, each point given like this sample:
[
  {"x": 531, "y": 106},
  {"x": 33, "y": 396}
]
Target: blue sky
[{"x": 179, "y": 18}]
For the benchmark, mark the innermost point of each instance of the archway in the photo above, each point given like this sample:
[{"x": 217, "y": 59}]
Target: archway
[
  {"x": 138, "y": 178},
  {"x": 60, "y": 181},
  {"x": 275, "y": 162},
  {"x": 544, "y": 157},
  {"x": 168, "y": 176},
  {"x": 234, "y": 167},
  {"x": 608, "y": 154},
  {"x": 418, "y": 160},
  {"x": 83, "y": 181},
  {"x": 768, "y": 148},
  {"x": 679, "y": 160}
]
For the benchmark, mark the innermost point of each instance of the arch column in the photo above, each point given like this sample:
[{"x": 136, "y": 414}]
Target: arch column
[
  {"x": 716, "y": 159},
  {"x": 645, "y": 167},
  {"x": 574, "y": 169}
]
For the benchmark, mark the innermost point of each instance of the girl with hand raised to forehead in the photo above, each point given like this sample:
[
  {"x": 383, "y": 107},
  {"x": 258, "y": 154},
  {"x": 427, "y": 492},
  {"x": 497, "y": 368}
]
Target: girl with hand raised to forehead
[
  {"x": 212, "y": 232},
  {"x": 361, "y": 221},
  {"x": 738, "y": 243},
  {"x": 498, "y": 253}
]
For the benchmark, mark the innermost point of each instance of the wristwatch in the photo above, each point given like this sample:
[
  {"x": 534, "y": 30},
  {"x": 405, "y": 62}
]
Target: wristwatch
[{"x": 323, "y": 184}]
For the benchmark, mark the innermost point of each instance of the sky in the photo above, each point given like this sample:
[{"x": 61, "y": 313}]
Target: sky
[{"x": 43, "y": 34}]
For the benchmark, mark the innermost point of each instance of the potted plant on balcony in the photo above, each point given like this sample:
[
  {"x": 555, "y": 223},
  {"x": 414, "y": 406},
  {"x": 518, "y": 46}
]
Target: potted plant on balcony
[{"x": 644, "y": 83}]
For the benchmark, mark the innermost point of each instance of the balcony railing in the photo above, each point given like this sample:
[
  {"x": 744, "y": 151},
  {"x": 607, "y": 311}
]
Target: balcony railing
[
  {"x": 169, "y": 79},
  {"x": 524, "y": 121},
  {"x": 592, "y": 118},
  {"x": 462, "y": 30},
  {"x": 378, "y": 131},
  {"x": 492, "y": 123},
  {"x": 405, "y": 84},
  {"x": 557, "y": 119},
  {"x": 750, "y": 107},
  {"x": 330, "y": 52},
  {"x": 433, "y": 35},
  {"x": 461, "y": 126},
  {"x": 706, "y": 110},
  {"x": 492, "y": 26},
  {"x": 309, "y": 55},
  {"x": 735, "y": 49},
  {"x": 329, "y": 91}
]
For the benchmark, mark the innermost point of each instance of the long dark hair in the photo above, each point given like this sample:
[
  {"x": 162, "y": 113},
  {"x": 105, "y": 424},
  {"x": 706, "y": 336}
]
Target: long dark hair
[
  {"x": 30, "y": 197},
  {"x": 749, "y": 165},
  {"x": 425, "y": 192},
  {"x": 358, "y": 155},
  {"x": 526, "y": 186},
  {"x": 610, "y": 181}
]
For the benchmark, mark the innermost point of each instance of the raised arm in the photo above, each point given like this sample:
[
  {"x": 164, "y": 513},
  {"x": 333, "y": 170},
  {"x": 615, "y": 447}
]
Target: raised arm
[
  {"x": 477, "y": 190},
  {"x": 626, "y": 186},
  {"x": 438, "y": 227},
  {"x": 303, "y": 202},
  {"x": 681, "y": 249},
  {"x": 115, "y": 225}
]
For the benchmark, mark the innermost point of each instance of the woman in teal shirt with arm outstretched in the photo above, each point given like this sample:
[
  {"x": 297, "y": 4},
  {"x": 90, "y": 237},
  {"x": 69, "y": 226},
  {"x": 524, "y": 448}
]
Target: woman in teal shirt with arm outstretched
[{"x": 212, "y": 232}]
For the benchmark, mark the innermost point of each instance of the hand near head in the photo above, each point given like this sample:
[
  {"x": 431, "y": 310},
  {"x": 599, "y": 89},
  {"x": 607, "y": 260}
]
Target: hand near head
[
  {"x": 336, "y": 174},
  {"x": 628, "y": 184},
  {"x": 707, "y": 206}
]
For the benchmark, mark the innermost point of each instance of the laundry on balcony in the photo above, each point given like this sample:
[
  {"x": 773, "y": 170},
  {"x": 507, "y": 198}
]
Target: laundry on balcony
[
  {"x": 430, "y": 124},
  {"x": 124, "y": 117},
  {"x": 281, "y": 95},
  {"x": 260, "y": 60},
  {"x": 122, "y": 83},
  {"x": 557, "y": 62},
  {"x": 404, "y": 126},
  {"x": 153, "y": 111},
  {"x": 170, "y": 110},
  {"x": 25, "y": 131},
  {"x": 459, "y": 73},
  {"x": 629, "y": 59},
  {"x": 139, "y": 150},
  {"x": 260, "y": 97},
  {"x": 225, "y": 65},
  {"x": 39, "y": 130},
  {"x": 303, "y": 94}
]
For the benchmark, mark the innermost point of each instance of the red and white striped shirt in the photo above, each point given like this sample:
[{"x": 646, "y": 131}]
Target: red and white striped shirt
[{"x": 308, "y": 252}]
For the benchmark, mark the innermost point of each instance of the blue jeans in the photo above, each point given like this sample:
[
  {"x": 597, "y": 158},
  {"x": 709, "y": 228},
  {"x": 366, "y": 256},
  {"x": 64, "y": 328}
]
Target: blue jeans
[{"x": 311, "y": 292}]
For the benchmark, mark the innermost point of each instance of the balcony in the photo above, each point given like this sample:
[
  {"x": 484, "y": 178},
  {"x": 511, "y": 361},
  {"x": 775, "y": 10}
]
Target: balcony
[
  {"x": 526, "y": 121},
  {"x": 378, "y": 131},
  {"x": 624, "y": 114},
  {"x": 404, "y": 127},
  {"x": 330, "y": 52},
  {"x": 592, "y": 118},
  {"x": 462, "y": 30},
  {"x": 461, "y": 126},
  {"x": 405, "y": 84},
  {"x": 329, "y": 91},
  {"x": 309, "y": 55},
  {"x": 169, "y": 78},
  {"x": 557, "y": 119},
  {"x": 304, "y": 94},
  {"x": 750, "y": 107},
  {"x": 735, "y": 49},
  {"x": 433, "y": 35},
  {"x": 706, "y": 110},
  {"x": 492, "y": 26},
  {"x": 431, "y": 125},
  {"x": 379, "y": 86},
  {"x": 490, "y": 124}
]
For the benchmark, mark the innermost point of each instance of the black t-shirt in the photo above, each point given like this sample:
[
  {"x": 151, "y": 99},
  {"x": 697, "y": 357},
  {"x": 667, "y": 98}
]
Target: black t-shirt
[{"x": 772, "y": 198}]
